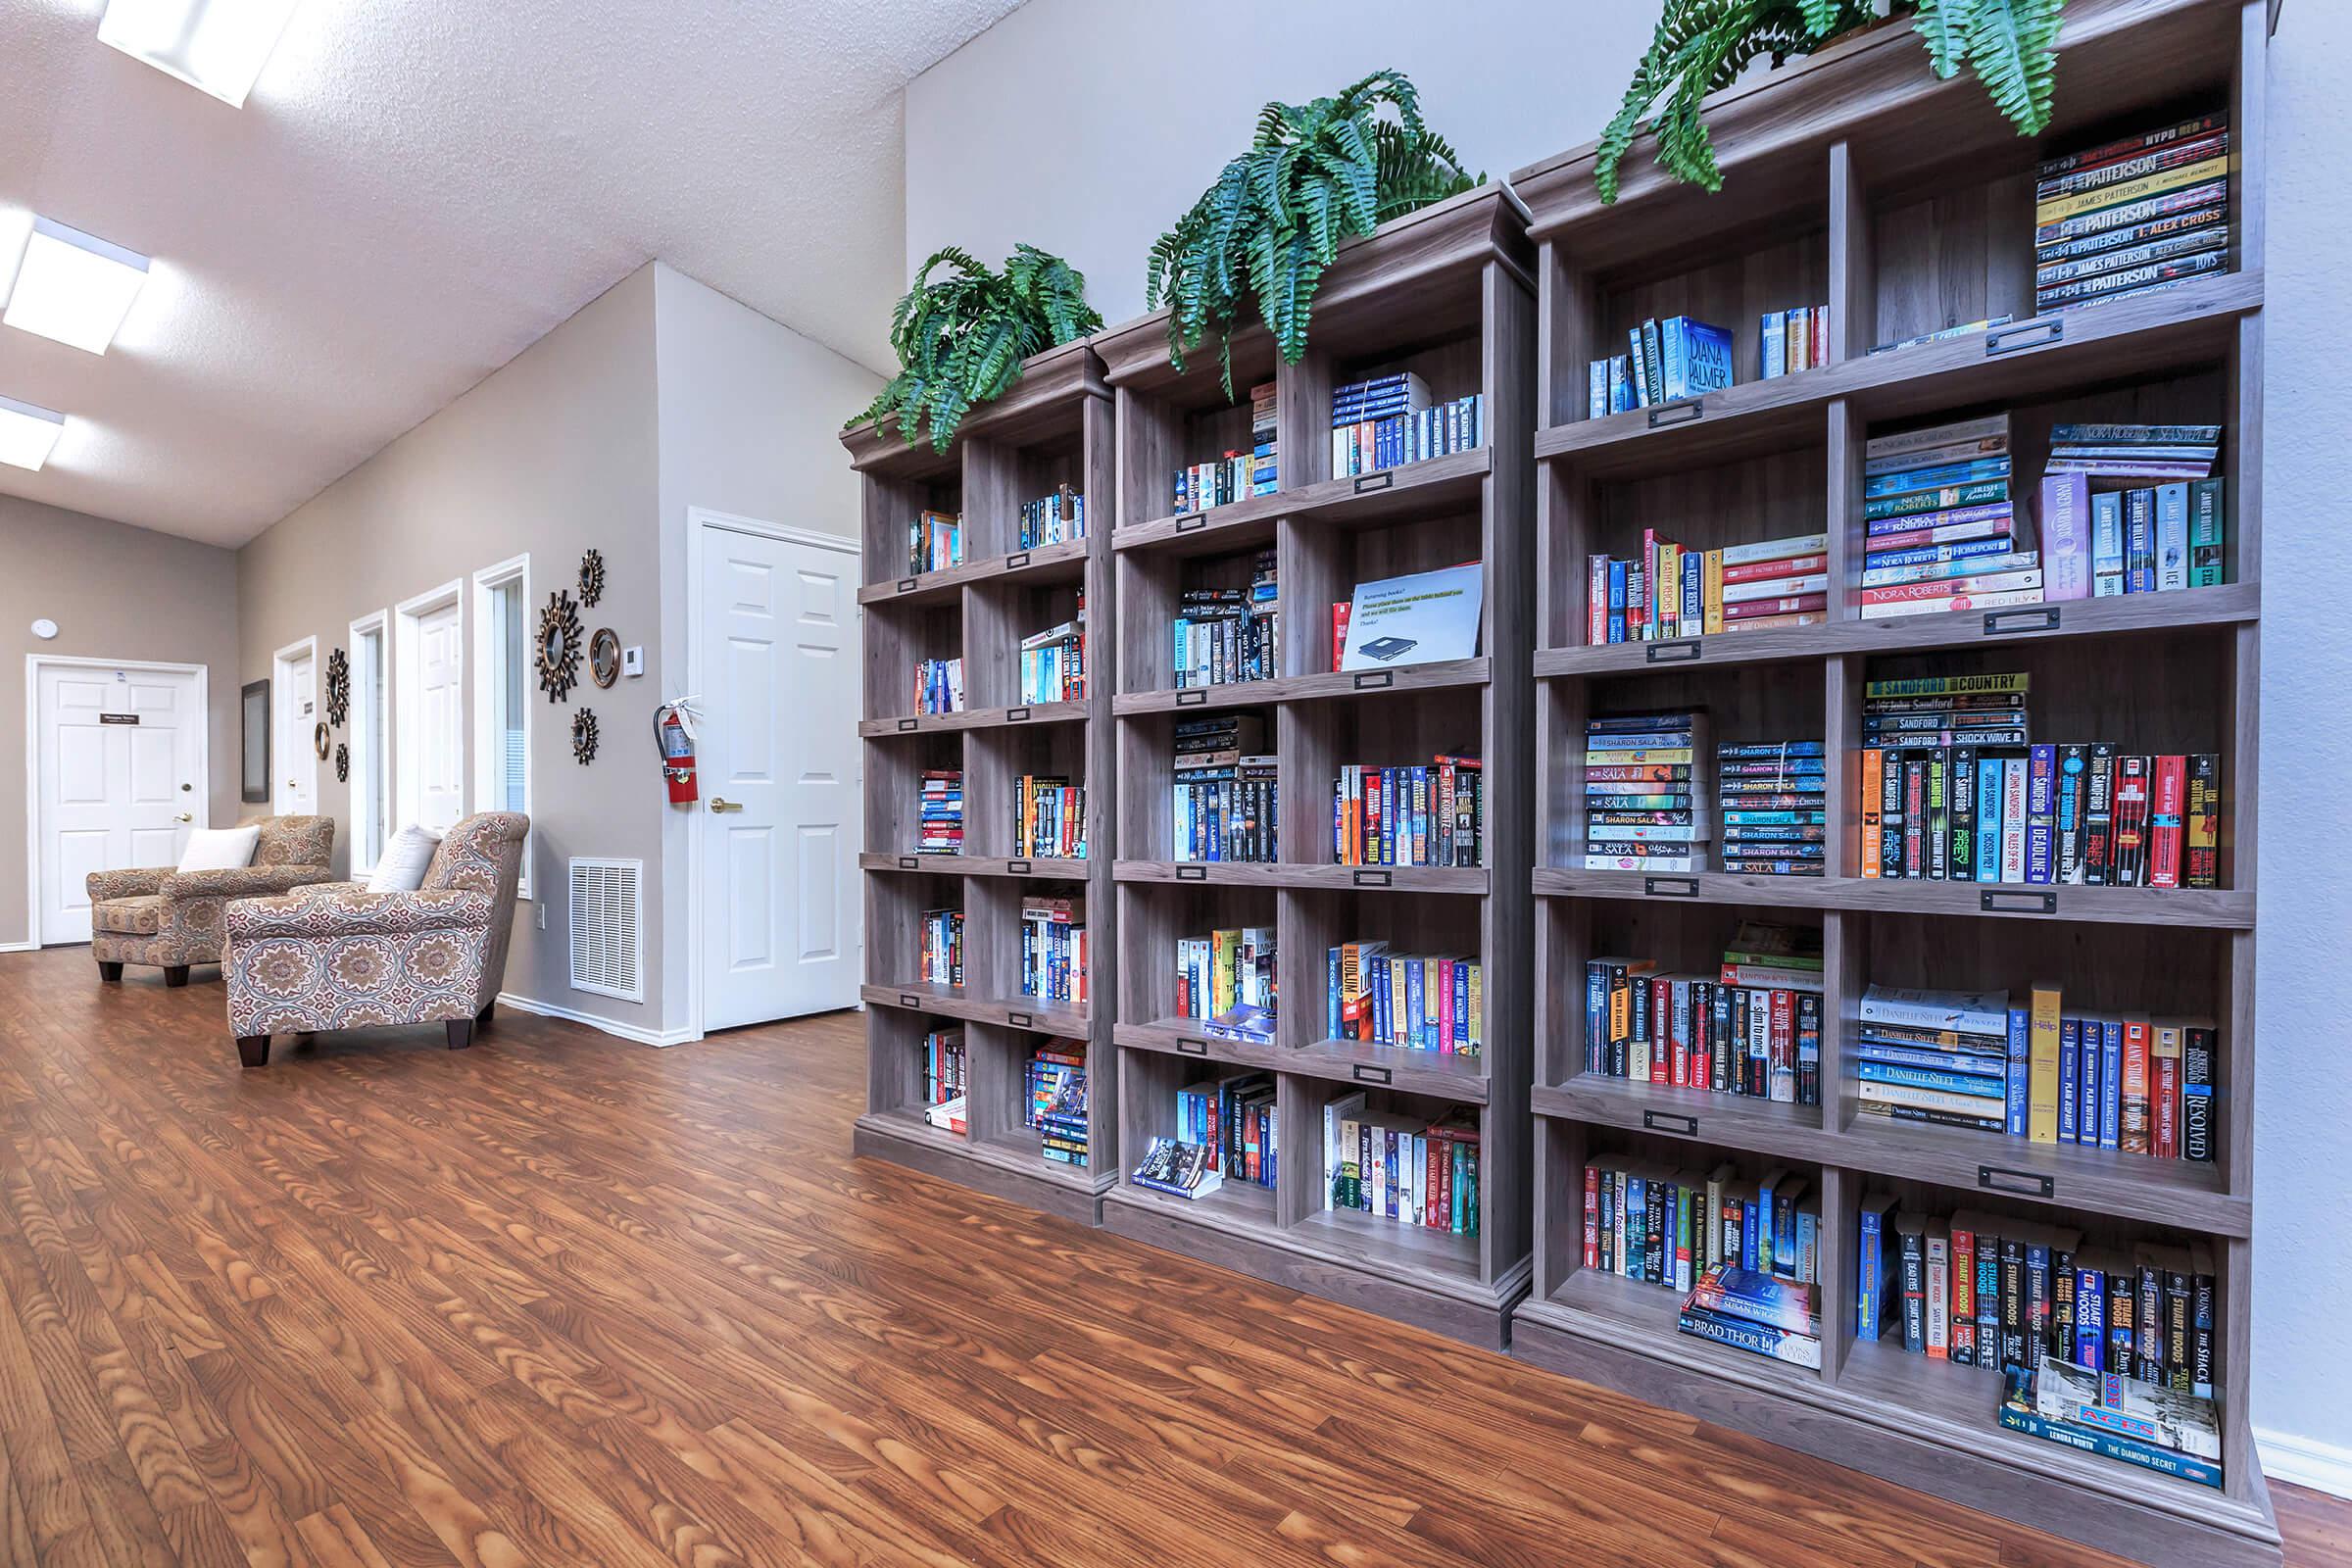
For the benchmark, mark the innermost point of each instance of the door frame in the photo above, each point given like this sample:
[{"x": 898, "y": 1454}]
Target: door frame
[
  {"x": 34, "y": 665},
  {"x": 281, "y": 693},
  {"x": 701, "y": 523},
  {"x": 405, "y": 787}
]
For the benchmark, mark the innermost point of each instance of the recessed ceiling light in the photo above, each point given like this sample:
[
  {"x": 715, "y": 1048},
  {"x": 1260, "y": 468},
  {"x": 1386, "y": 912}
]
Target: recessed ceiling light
[
  {"x": 27, "y": 435},
  {"x": 74, "y": 288},
  {"x": 217, "y": 46}
]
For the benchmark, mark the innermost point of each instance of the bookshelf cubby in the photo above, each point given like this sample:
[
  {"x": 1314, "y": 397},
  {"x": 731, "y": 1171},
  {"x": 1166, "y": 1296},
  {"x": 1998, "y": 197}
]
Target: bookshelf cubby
[
  {"x": 1444, "y": 294},
  {"x": 1855, "y": 177},
  {"x": 1053, "y": 428}
]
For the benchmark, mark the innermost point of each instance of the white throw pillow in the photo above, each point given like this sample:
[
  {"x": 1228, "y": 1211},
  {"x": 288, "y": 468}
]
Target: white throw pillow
[
  {"x": 402, "y": 866},
  {"x": 220, "y": 849}
]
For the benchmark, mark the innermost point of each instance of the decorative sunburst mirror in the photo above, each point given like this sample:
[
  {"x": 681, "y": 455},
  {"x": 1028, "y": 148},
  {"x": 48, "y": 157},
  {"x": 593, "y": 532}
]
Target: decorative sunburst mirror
[
  {"x": 338, "y": 688},
  {"x": 583, "y": 736},
  {"x": 559, "y": 647},
  {"x": 342, "y": 763},
  {"x": 592, "y": 578}
]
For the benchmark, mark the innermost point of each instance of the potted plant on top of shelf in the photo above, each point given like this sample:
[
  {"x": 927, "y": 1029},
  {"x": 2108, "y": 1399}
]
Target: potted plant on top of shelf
[
  {"x": 1315, "y": 174},
  {"x": 961, "y": 340},
  {"x": 1702, "y": 46}
]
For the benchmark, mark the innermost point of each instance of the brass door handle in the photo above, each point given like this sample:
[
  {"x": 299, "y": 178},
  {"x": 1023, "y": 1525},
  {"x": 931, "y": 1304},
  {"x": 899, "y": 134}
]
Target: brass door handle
[
  {"x": 719, "y": 804},
  {"x": 184, "y": 817}
]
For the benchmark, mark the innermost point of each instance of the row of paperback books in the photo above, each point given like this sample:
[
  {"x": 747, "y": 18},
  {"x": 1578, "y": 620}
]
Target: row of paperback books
[
  {"x": 1412, "y": 1000},
  {"x": 1648, "y": 1220},
  {"x": 1053, "y": 1100},
  {"x": 1421, "y": 815},
  {"x": 938, "y": 812},
  {"x": 1761, "y": 1313},
  {"x": 1942, "y": 533},
  {"x": 2039, "y": 1070},
  {"x": 944, "y": 1076},
  {"x": 2132, "y": 215},
  {"x": 1054, "y": 519},
  {"x": 1053, "y": 949},
  {"x": 941, "y": 959},
  {"x": 1774, "y": 799},
  {"x": 1052, "y": 663},
  {"x": 1392, "y": 1164},
  {"x": 2134, "y": 508},
  {"x": 1752, "y": 1028},
  {"x": 1793, "y": 341},
  {"x": 1670, "y": 591},
  {"x": 1233, "y": 1122},
  {"x": 1236, "y": 475},
  {"x": 938, "y": 686},
  {"x": 1225, "y": 971},
  {"x": 935, "y": 542},
  {"x": 1225, "y": 790},
  {"x": 1669, "y": 361},
  {"x": 1647, "y": 803},
  {"x": 1391, "y": 420},
  {"x": 1049, "y": 817},
  {"x": 1223, "y": 635}
]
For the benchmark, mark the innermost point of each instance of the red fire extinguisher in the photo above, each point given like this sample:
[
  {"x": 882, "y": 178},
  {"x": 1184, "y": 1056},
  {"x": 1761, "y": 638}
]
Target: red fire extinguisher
[{"x": 673, "y": 736}]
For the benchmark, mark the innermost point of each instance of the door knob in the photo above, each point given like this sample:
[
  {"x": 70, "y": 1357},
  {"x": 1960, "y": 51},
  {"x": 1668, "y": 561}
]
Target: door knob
[
  {"x": 184, "y": 817},
  {"x": 719, "y": 804}
]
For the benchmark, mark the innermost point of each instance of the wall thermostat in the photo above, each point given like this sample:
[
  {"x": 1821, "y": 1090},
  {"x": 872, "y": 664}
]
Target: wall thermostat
[
  {"x": 44, "y": 629},
  {"x": 632, "y": 660}
]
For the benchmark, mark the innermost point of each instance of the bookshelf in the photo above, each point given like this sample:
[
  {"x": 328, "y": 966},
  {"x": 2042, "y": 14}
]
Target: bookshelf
[
  {"x": 1445, "y": 293},
  {"x": 1855, "y": 177},
  {"x": 1051, "y": 428}
]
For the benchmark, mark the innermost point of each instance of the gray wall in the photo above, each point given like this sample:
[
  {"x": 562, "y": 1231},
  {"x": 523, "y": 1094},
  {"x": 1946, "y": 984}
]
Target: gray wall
[
  {"x": 115, "y": 592},
  {"x": 554, "y": 453},
  {"x": 750, "y": 415},
  {"x": 1122, "y": 153}
]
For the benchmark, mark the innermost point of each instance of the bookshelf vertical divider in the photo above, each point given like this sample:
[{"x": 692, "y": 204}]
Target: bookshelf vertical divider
[
  {"x": 1855, "y": 178},
  {"x": 1055, "y": 426}
]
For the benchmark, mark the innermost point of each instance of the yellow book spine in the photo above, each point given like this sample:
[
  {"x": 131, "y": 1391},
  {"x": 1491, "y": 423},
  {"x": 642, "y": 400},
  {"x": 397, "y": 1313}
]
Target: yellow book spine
[
  {"x": 2041, "y": 1066},
  {"x": 2059, "y": 210},
  {"x": 1712, "y": 580}
]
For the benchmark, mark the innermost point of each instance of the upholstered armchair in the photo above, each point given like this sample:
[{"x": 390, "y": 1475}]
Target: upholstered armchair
[
  {"x": 338, "y": 957},
  {"x": 175, "y": 918}
]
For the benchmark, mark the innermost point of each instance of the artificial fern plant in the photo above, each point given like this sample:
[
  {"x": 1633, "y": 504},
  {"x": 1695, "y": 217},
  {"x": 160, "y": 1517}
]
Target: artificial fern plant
[
  {"x": 1703, "y": 45},
  {"x": 961, "y": 340},
  {"x": 1315, "y": 174}
]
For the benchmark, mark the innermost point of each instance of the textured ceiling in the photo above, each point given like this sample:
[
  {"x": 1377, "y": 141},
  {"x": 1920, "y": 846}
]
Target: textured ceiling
[{"x": 417, "y": 190}]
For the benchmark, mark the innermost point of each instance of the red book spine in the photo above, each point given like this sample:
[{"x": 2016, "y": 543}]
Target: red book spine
[
  {"x": 1661, "y": 1030},
  {"x": 1341, "y": 610},
  {"x": 2167, "y": 806},
  {"x": 1782, "y": 1061},
  {"x": 1751, "y": 609},
  {"x": 1788, "y": 567},
  {"x": 1436, "y": 1147},
  {"x": 1592, "y": 1218}
]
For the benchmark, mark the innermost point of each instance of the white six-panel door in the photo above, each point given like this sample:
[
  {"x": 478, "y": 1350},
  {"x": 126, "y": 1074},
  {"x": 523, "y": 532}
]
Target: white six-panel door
[
  {"x": 294, "y": 790},
  {"x": 778, "y": 757},
  {"x": 121, "y": 754},
  {"x": 440, "y": 735}
]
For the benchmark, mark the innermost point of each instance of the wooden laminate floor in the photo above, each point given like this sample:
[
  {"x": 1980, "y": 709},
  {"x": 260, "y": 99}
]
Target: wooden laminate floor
[{"x": 565, "y": 1301}]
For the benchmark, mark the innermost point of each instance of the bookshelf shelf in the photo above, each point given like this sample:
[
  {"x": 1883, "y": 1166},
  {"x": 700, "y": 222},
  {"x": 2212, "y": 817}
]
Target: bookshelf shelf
[
  {"x": 1053, "y": 428},
  {"x": 1857, "y": 178},
  {"x": 1444, "y": 293}
]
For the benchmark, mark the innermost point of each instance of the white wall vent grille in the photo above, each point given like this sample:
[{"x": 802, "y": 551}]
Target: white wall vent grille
[{"x": 607, "y": 933}]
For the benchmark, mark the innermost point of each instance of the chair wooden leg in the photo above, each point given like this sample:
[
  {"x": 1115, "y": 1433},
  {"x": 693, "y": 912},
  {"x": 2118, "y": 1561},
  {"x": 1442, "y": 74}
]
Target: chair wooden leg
[
  {"x": 253, "y": 1049},
  {"x": 110, "y": 970},
  {"x": 489, "y": 1010},
  {"x": 460, "y": 1033},
  {"x": 175, "y": 974}
]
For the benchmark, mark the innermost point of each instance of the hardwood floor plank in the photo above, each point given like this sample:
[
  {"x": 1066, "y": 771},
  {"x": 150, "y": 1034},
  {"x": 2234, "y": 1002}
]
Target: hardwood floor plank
[{"x": 563, "y": 1300}]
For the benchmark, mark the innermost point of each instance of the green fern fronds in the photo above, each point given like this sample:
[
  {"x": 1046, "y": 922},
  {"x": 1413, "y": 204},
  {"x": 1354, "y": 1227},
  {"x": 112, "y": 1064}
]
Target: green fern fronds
[
  {"x": 961, "y": 340},
  {"x": 1271, "y": 224},
  {"x": 2013, "y": 44}
]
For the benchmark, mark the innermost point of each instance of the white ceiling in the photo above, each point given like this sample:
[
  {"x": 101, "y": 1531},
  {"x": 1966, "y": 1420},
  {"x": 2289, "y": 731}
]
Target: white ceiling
[{"x": 417, "y": 191}]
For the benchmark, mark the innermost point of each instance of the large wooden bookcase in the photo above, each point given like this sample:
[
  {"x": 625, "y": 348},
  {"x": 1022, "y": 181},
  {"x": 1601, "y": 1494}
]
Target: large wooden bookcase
[
  {"x": 1905, "y": 202},
  {"x": 1053, "y": 427},
  {"x": 1445, "y": 293}
]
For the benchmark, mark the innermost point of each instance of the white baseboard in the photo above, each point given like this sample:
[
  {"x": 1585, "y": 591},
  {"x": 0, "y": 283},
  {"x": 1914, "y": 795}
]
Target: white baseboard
[
  {"x": 2305, "y": 1461},
  {"x": 18, "y": 947},
  {"x": 611, "y": 1026}
]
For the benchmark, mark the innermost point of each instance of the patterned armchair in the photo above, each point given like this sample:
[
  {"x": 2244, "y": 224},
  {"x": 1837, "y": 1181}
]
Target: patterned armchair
[
  {"x": 338, "y": 957},
  {"x": 175, "y": 918}
]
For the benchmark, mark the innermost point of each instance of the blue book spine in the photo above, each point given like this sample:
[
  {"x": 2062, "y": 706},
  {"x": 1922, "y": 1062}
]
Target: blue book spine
[
  {"x": 1670, "y": 348},
  {"x": 1617, "y": 598},
  {"x": 2017, "y": 1051},
  {"x": 1866, "y": 1301},
  {"x": 2107, "y": 1445},
  {"x": 2070, "y": 1077},
  {"x": 2111, "y": 1083},
  {"x": 1597, "y": 1016},
  {"x": 1637, "y": 1211},
  {"x": 1413, "y": 1031},
  {"x": 1950, "y": 1083},
  {"x": 2090, "y": 1319},
  {"x": 1988, "y": 820},
  {"x": 1750, "y": 1234},
  {"x": 2087, "y": 1086},
  {"x": 1772, "y": 348},
  {"x": 1707, "y": 358},
  {"x": 2042, "y": 804},
  {"x": 1331, "y": 994},
  {"x": 1695, "y": 590},
  {"x": 1940, "y": 477},
  {"x": 1904, "y": 1055}
]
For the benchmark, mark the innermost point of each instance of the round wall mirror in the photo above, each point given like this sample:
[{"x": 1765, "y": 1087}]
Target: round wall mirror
[{"x": 604, "y": 656}]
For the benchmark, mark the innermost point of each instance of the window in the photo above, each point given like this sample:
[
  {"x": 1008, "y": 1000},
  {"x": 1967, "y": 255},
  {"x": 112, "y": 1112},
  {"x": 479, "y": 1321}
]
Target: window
[
  {"x": 429, "y": 645},
  {"x": 501, "y": 686},
  {"x": 371, "y": 753}
]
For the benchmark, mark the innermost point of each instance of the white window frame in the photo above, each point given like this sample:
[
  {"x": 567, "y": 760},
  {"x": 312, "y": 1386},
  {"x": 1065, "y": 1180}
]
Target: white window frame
[
  {"x": 404, "y": 689},
  {"x": 486, "y": 748},
  {"x": 371, "y": 778}
]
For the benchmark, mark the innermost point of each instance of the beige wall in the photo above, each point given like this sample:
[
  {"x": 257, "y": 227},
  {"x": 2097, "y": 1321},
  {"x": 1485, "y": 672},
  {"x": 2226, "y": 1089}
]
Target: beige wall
[
  {"x": 555, "y": 452},
  {"x": 115, "y": 592}
]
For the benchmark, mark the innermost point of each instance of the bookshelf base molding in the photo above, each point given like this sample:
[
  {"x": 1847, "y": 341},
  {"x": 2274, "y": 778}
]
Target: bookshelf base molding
[
  {"x": 1463, "y": 1309},
  {"x": 2176, "y": 1526},
  {"x": 1000, "y": 1172}
]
